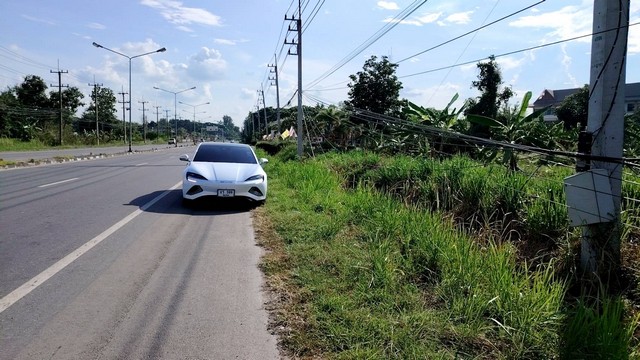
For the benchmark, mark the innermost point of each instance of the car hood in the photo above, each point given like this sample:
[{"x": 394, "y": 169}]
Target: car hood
[{"x": 225, "y": 171}]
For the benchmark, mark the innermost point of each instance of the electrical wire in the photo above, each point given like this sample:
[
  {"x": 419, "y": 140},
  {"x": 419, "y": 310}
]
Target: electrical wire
[
  {"x": 370, "y": 41},
  {"x": 472, "y": 31},
  {"x": 512, "y": 52}
]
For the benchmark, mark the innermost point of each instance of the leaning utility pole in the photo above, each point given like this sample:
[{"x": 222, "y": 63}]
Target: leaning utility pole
[
  {"x": 600, "y": 247},
  {"x": 144, "y": 121},
  {"x": 60, "y": 86},
  {"x": 124, "y": 120},
  {"x": 298, "y": 52},
  {"x": 95, "y": 104},
  {"x": 274, "y": 70}
]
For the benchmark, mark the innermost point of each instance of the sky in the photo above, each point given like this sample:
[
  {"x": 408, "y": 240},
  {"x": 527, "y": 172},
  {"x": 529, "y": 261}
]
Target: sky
[{"x": 224, "y": 49}]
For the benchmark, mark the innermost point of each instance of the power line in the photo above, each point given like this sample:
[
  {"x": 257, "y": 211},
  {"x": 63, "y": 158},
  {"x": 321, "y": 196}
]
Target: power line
[
  {"x": 514, "y": 52},
  {"x": 372, "y": 39},
  {"x": 471, "y": 32}
]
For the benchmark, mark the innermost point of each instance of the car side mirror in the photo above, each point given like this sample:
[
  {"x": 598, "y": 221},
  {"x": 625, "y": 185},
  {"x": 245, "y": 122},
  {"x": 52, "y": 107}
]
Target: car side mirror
[
  {"x": 185, "y": 158},
  {"x": 263, "y": 161}
]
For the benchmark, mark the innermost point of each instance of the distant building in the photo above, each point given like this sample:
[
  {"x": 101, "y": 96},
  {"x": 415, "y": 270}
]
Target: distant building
[{"x": 554, "y": 98}]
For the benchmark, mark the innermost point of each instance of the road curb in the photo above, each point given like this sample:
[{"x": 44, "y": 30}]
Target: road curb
[{"x": 62, "y": 160}]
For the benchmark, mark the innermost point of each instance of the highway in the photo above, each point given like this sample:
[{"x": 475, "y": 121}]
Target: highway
[{"x": 99, "y": 260}]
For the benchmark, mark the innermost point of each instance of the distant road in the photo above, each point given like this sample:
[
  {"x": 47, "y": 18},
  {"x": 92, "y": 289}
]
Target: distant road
[
  {"x": 99, "y": 260},
  {"x": 79, "y": 152}
]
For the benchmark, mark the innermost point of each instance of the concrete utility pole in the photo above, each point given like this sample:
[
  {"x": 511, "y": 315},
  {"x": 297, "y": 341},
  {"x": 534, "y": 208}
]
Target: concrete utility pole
[
  {"x": 600, "y": 252},
  {"x": 95, "y": 104},
  {"x": 124, "y": 120},
  {"x": 144, "y": 121},
  {"x": 298, "y": 52},
  {"x": 274, "y": 70},
  {"x": 166, "y": 117},
  {"x": 157, "y": 119},
  {"x": 264, "y": 111},
  {"x": 60, "y": 86}
]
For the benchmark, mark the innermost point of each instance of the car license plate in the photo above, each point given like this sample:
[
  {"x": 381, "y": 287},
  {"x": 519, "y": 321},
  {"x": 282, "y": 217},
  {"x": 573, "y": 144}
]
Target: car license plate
[{"x": 226, "y": 192}]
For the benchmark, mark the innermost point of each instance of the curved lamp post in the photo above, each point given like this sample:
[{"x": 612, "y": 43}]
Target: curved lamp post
[
  {"x": 194, "y": 112},
  {"x": 129, "y": 57},
  {"x": 175, "y": 105}
]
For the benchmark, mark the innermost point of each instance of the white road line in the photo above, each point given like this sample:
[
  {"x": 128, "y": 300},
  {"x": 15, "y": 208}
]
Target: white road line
[
  {"x": 57, "y": 183},
  {"x": 143, "y": 164},
  {"x": 39, "y": 279}
]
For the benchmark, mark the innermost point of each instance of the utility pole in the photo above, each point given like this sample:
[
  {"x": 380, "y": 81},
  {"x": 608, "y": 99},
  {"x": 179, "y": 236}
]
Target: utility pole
[
  {"x": 298, "y": 52},
  {"x": 124, "y": 120},
  {"x": 95, "y": 104},
  {"x": 157, "y": 119},
  {"x": 274, "y": 70},
  {"x": 166, "y": 117},
  {"x": 600, "y": 246},
  {"x": 264, "y": 109},
  {"x": 253, "y": 125},
  {"x": 60, "y": 86},
  {"x": 144, "y": 121}
]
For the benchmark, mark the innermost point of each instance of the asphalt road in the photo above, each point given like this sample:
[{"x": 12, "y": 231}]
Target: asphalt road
[
  {"x": 26, "y": 156},
  {"x": 99, "y": 260}
]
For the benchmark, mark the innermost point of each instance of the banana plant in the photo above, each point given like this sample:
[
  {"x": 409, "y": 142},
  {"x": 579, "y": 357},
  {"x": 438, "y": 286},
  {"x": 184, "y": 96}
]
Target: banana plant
[
  {"x": 516, "y": 128},
  {"x": 447, "y": 119}
]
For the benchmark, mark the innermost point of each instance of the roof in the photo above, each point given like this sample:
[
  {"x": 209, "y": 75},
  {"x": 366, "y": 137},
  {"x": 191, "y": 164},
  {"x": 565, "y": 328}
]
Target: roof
[{"x": 554, "y": 97}]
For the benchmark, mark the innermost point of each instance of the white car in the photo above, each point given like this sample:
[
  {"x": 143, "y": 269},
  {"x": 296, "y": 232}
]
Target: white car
[{"x": 224, "y": 170}]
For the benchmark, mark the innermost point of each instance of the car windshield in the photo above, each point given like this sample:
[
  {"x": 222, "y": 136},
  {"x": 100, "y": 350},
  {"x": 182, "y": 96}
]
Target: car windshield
[{"x": 225, "y": 154}]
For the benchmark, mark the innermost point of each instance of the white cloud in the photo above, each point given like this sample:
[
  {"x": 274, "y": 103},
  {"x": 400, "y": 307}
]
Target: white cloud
[
  {"x": 564, "y": 23},
  {"x": 388, "y": 5},
  {"x": 177, "y": 14},
  {"x": 207, "y": 64},
  {"x": 229, "y": 41},
  {"x": 96, "y": 26},
  {"x": 404, "y": 22},
  {"x": 510, "y": 63},
  {"x": 459, "y": 18},
  {"x": 184, "y": 28},
  {"x": 39, "y": 20},
  {"x": 429, "y": 18}
]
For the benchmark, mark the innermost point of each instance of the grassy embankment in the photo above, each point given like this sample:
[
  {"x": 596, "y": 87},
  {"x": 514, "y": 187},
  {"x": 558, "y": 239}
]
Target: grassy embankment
[{"x": 377, "y": 258}]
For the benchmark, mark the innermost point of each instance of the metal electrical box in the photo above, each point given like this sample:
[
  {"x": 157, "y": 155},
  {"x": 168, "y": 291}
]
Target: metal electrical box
[{"x": 589, "y": 197}]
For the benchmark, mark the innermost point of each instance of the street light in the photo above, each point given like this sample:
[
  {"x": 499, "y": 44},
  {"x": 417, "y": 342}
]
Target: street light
[
  {"x": 129, "y": 57},
  {"x": 194, "y": 112},
  {"x": 175, "y": 105}
]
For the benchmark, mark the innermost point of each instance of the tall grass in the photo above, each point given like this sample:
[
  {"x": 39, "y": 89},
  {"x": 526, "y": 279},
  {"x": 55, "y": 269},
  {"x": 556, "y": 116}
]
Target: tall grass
[{"x": 367, "y": 276}]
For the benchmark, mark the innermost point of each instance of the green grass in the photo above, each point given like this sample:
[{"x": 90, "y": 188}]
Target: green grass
[
  {"x": 362, "y": 274},
  {"x": 7, "y": 144}
]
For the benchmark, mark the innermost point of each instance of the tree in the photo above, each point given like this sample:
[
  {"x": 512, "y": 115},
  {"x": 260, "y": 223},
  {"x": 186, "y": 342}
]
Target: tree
[
  {"x": 109, "y": 123},
  {"x": 491, "y": 98},
  {"x": 574, "y": 109},
  {"x": 229, "y": 130},
  {"x": 9, "y": 118},
  {"x": 33, "y": 92},
  {"x": 376, "y": 88},
  {"x": 332, "y": 122}
]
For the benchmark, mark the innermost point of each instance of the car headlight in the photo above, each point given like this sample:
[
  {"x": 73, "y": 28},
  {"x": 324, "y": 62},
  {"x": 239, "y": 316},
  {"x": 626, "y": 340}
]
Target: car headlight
[
  {"x": 193, "y": 177},
  {"x": 256, "y": 177}
]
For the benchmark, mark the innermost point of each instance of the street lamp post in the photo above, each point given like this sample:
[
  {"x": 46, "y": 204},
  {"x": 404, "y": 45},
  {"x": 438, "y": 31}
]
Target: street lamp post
[
  {"x": 194, "y": 113},
  {"x": 175, "y": 105},
  {"x": 129, "y": 57}
]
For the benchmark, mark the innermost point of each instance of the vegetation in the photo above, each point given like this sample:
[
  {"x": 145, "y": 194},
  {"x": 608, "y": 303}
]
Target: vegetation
[
  {"x": 29, "y": 114},
  {"x": 376, "y": 88},
  {"x": 419, "y": 258}
]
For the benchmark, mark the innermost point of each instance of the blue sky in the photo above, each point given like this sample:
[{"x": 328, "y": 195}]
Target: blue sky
[{"x": 223, "y": 48}]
